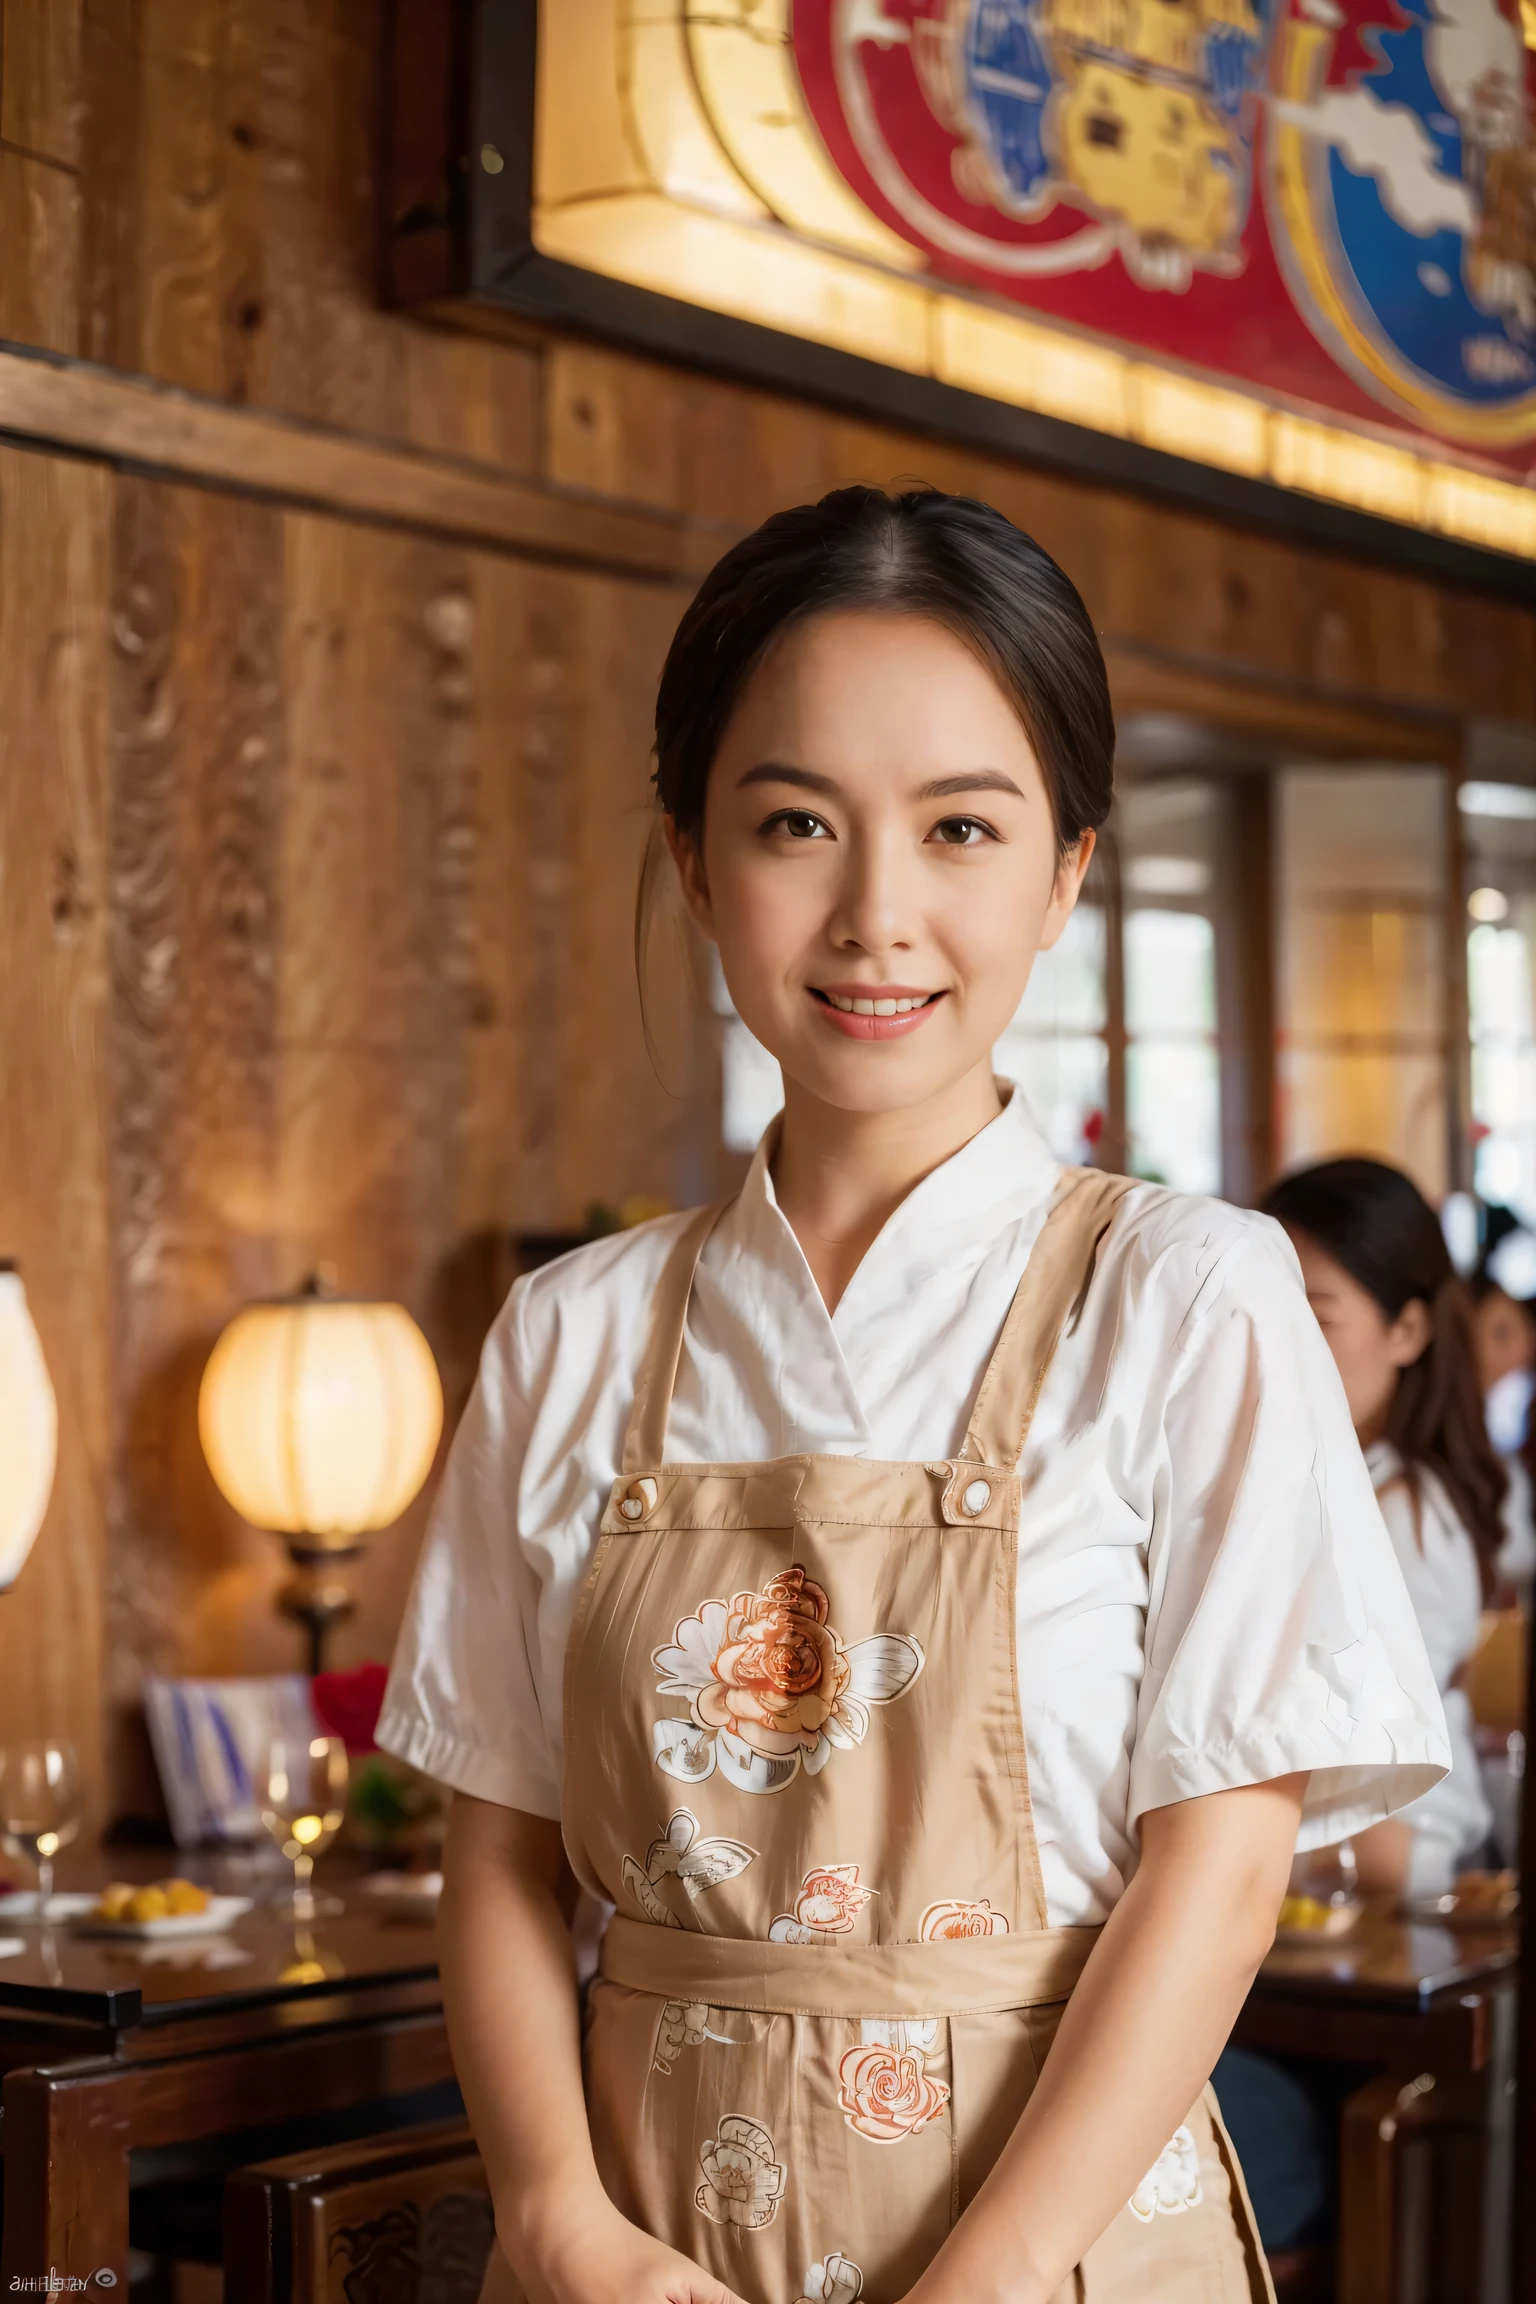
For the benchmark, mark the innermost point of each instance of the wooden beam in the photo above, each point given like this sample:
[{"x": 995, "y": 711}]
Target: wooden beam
[
  {"x": 1286, "y": 718},
  {"x": 70, "y": 404}
]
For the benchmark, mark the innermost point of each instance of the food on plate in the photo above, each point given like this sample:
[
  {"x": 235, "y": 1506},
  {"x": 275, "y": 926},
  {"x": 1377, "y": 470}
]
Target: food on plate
[
  {"x": 159, "y": 1900},
  {"x": 1304, "y": 1912}
]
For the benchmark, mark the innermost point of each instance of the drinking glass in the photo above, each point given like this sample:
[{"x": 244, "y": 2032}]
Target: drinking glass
[
  {"x": 40, "y": 1804},
  {"x": 301, "y": 1790}
]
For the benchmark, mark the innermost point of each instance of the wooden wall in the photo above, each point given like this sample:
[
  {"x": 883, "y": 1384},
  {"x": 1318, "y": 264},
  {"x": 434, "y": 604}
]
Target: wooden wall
[{"x": 327, "y": 650}]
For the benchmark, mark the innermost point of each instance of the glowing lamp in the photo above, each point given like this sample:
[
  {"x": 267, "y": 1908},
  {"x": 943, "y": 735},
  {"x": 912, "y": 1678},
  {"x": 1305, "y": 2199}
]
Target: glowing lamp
[
  {"x": 29, "y": 1429},
  {"x": 320, "y": 1417}
]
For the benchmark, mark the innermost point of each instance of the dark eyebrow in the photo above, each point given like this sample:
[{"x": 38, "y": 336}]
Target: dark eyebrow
[
  {"x": 942, "y": 788},
  {"x": 970, "y": 780},
  {"x": 776, "y": 772}
]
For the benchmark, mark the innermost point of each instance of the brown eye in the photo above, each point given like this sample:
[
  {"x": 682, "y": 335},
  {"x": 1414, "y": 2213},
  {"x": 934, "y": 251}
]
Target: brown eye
[
  {"x": 962, "y": 832},
  {"x": 800, "y": 824}
]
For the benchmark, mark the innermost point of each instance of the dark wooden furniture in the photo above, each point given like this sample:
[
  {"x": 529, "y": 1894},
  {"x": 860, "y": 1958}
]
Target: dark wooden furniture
[
  {"x": 1429, "y": 2013},
  {"x": 392, "y": 2220},
  {"x": 106, "y": 2052}
]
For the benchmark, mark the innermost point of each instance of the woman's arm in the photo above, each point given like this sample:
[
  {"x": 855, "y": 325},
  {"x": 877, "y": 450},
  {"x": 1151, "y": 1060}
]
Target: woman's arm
[
  {"x": 509, "y": 1989},
  {"x": 1137, "y": 2043}
]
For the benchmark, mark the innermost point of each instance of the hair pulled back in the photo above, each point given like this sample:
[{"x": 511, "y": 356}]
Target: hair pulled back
[
  {"x": 921, "y": 553},
  {"x": 1376, "y": 1223}
]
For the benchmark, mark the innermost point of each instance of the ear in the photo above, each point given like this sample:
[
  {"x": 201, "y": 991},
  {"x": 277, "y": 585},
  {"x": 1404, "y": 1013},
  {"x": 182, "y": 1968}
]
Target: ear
[
  {"x": 688, "y": 857},
  {"x": 1408, "y": 1337},
  {"x": 1067, "y": 887}
]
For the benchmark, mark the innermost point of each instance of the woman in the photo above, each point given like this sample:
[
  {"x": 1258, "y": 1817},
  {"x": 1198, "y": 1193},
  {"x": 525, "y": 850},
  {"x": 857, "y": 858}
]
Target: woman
[
  {"x": 905, "y": 1593},
  {"x": 1399, "y": 1325}
]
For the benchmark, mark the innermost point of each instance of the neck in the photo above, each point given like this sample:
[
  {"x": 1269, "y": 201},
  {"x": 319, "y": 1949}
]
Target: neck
[{"x": 839, "y": 1176}]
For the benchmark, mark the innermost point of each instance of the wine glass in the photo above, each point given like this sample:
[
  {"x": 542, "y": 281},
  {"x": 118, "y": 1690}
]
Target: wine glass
[
  {"x": 40, "y": 1804},
  {"x": 301, "y": 1791}
]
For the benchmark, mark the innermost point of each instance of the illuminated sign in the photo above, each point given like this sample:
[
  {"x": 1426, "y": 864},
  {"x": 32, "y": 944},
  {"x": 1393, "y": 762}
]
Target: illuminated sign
[{"x": 1291, "y": 239}]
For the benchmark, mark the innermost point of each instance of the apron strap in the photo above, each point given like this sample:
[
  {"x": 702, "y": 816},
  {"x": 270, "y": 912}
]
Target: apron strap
[
  {"x": 645, "y": 1439},
  {"x": 1055, "y": 1278}
]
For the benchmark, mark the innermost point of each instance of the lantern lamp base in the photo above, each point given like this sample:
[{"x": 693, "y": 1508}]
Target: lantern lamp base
[{"x": 315, "y": 1596}]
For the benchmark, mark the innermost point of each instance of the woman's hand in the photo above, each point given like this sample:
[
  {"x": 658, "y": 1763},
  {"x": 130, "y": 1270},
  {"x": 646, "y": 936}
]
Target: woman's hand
[
  {"x": 1140, "y": 2035},
  {"x": 596, "y": 2256}
]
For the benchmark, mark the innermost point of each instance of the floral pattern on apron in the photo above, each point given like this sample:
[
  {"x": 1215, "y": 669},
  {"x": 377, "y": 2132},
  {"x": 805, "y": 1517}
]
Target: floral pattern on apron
[{"x": 830, "y": 1983}]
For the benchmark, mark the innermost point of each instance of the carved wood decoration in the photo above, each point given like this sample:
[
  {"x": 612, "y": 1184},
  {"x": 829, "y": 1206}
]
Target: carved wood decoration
[{"x": 328, "y": 646}]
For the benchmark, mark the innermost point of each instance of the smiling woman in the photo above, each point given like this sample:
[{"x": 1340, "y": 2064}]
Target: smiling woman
[
  {"x": 900, "y": 712},
  {"x": 975, "y": 1535}
]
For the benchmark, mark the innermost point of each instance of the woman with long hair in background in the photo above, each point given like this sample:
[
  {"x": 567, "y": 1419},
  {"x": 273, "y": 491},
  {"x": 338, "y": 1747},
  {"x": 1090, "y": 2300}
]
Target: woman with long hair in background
[{"x": 1399, "y": 1325}]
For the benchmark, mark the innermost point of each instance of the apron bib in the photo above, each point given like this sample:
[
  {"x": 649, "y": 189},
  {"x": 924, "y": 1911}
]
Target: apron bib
[{"x": 795, "y": 1766}]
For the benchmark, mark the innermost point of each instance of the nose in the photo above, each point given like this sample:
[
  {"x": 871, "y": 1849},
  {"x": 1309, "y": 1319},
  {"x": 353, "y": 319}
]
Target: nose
[{"x": 876, "y": 905}]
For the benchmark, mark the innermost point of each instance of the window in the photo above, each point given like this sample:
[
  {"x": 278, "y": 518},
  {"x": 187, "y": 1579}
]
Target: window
[
  {"x": 1361, "y": 1003},
  {"x": 1055, "y": 1047},
  {"x": 1168, "y": 830},
  {"x": 1499, "y": 838}
]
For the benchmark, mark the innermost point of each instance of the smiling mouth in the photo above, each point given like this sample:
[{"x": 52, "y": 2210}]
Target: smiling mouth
[
  {"x": 876, "y": 1004},
  {"x": 884, "y": 1012}
]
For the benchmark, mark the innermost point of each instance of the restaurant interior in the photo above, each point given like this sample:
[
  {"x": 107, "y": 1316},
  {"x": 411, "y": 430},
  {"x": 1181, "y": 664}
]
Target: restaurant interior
[{"x": 377, "y": 382}]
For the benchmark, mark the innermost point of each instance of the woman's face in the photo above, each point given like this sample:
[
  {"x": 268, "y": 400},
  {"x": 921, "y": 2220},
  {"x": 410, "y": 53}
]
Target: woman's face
[
  {"x": 1503, "y": 1335},
  {"x": 879, "y": 863},
  {"x": 1369, "y": 1350}
]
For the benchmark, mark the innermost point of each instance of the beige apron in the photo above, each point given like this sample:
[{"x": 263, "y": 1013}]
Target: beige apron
[{"x": 795, "y": 1765}]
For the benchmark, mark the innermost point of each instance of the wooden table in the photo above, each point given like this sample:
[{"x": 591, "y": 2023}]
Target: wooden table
[
  {"x": 1431, "y": 2011},
  {"x": 108, "y": 2048}
]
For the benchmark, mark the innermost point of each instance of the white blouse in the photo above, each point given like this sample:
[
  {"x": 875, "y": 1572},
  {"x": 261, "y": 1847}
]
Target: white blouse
[
  {"x": 1439, "y": 1564},
  {"x": 1206, "y": 1594}
]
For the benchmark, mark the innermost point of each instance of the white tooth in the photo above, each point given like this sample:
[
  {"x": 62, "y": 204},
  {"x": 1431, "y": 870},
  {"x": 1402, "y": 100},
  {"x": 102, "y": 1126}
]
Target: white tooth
[
  {"x": 885, "y": 1007},
  {"x": 841, "y": 1000},
  {"x": 905, "y": 1007},
  {"x": 864, "y": 1008}
]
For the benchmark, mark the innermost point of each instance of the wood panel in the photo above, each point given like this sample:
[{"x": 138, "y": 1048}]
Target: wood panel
[
  {"x": 197, "y": 762},
  {"x": 55, "y": 905},
  {"x": 40, "y": 77},
  {"x": 1194, "y": 589},
  {"x": 230, "y": 226}
]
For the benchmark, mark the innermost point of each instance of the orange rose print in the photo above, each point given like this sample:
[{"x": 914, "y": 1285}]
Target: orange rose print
[
  {"x": 957, "y": 1918},
  {"x": 886, "y": 2095},
  {"x": 771, "y": 1688},
  {"x": 829, "y": 1904}
]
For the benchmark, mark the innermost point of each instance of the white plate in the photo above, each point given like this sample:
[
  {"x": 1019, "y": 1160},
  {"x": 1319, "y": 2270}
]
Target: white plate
[
  {"x": 222, "y": 1910},
  {"x": 405, "y": 1895},
  {"x": 22, "y": 1904}
]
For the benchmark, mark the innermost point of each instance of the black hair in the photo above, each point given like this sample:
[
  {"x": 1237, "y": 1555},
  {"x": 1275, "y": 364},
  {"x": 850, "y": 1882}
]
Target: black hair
[
  {"x": 1377, "y": 1224},
  {"x": 950, "y": 558}
]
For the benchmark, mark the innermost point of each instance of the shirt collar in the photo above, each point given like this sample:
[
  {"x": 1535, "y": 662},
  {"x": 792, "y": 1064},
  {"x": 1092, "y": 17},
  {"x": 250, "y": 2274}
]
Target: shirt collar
[{"x": 1004, "y": 1169}]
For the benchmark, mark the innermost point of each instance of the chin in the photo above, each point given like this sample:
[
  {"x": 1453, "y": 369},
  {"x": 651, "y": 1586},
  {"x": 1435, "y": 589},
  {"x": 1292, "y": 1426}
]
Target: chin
[{"x": 878, "y": 1079}]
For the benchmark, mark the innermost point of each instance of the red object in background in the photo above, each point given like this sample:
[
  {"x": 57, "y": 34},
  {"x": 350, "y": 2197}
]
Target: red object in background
[
  {"x": 348, "y": 1704},
  {"x": 1333, "y": 201}
]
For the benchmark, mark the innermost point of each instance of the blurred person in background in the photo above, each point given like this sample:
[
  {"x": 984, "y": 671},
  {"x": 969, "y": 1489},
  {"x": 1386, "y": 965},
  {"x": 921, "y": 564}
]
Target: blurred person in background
[
  {"x": 1400, "y": 1326},
  {"x": 1504, "y": 1327}
]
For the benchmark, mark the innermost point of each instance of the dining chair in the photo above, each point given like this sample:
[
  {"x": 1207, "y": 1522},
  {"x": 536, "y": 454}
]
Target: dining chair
[{"x": 403, "y": 2218}]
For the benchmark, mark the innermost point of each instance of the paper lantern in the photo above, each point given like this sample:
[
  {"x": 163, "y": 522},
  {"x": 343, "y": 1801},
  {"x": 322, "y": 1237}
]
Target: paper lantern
[
  {"x": 320, "y": 1417},
  {"x": 29, "y": 1429}
]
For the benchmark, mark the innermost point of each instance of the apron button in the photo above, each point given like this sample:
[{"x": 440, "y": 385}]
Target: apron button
[
  {"x": 638, "y": 1499},
  {"x": 977, "y": 1497},
  {"x": 631, "y": 1507}
]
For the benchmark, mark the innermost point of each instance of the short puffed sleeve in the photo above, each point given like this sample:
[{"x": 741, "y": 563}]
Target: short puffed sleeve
[{"x": 1279, "y": 1634}]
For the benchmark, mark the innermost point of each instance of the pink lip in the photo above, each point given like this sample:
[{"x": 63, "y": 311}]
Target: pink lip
[{"x": 877, "y": 1027}]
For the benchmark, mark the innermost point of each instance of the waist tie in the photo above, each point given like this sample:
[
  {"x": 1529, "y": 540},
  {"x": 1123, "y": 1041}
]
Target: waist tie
[{"x": 961, "y": 1976}]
